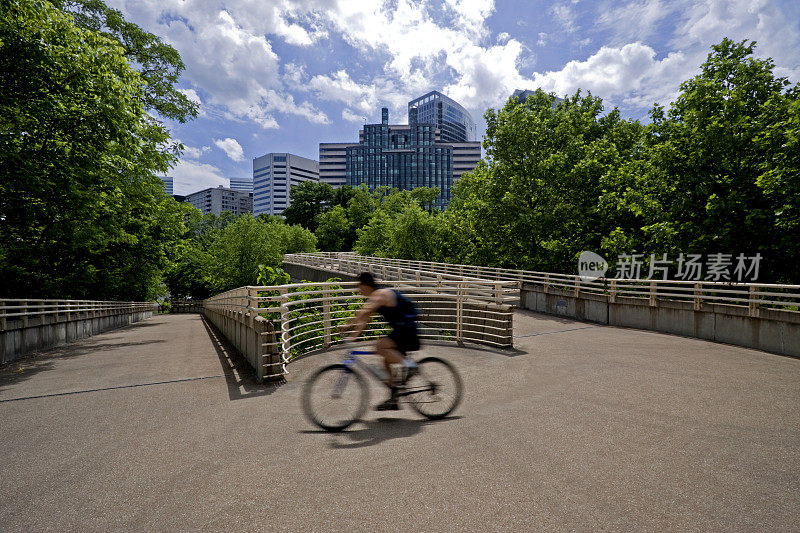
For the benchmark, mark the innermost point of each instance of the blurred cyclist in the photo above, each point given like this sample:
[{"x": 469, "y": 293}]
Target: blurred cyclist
[{"x": 401, "y": 315}]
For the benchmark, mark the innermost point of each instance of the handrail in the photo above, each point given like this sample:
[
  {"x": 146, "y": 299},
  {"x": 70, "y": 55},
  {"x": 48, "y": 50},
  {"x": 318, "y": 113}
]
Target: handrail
[
  {"x": 16, "y": 313},
  {"x": 306, "y": 316},
  {"x": 753, "y": 295}
]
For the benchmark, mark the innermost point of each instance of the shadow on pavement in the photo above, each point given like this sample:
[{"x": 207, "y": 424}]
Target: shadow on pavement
[
  {"x": 29, "y": 365},
  {"x": 372, "y": 432},
  {"x": 240, "y": 377}
]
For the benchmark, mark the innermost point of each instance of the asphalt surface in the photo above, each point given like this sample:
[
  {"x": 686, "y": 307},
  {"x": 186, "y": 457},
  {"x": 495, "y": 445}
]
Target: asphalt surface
[{"x": 157, "y": 427}]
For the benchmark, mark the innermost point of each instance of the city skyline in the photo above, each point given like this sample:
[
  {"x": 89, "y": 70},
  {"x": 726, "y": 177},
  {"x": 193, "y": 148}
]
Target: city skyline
[{"x": 263, "y": 82}]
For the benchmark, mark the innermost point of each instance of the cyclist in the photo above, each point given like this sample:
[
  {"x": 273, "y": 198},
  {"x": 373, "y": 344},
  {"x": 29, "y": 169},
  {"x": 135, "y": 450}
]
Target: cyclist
[{"x": 401, "y": 315}]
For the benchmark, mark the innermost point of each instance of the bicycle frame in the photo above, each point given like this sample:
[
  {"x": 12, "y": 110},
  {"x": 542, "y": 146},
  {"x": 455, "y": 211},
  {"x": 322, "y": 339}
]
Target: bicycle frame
[{"x": 352, "y": 359}]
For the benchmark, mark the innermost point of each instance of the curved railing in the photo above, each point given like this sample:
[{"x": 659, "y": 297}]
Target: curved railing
[
  {"x": 305, "y": 317},
  {"x": 755, "y": 296}
]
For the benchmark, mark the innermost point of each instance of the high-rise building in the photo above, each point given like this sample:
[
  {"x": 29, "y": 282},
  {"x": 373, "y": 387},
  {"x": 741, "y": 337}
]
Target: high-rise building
[
  {"x": 399, "y": 156},
  {"x": 274, "y": 175},
  {"x": 333, "y": 163},
  {"x": 219, "y": 199},
  {"x": 242, "y": 184},
  {"x": 455, "y": 124},
  {"x": 167, "y": 183}
]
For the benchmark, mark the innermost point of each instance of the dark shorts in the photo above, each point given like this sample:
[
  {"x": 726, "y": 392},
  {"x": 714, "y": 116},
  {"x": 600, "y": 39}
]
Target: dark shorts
[{"x": 406, "y": 338}]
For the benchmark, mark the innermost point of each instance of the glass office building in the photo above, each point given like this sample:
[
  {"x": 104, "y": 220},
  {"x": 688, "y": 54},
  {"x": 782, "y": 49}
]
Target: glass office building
[
  {"x": 406, "y": 156},
  {"x": 453, "y": 121}
]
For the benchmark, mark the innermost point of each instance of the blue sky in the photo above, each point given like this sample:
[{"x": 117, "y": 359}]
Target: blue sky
[{"x": 283, "y": 76}]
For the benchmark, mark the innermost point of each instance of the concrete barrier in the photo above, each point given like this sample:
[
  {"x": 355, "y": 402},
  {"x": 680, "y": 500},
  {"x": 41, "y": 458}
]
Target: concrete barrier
[
  {"x": 773, "y": 330},
  {"x": 253, "y": 336},
  {"x": 20, "y": 337}
]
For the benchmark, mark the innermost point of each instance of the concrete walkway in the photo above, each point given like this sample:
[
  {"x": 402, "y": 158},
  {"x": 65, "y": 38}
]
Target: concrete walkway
[{"x": 156, "y": 427}]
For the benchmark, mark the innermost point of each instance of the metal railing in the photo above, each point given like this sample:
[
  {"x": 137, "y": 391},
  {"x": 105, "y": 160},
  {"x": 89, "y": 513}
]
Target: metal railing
[
  {"x": 23, "y": 313},
  {"x": 308, "y": 315},
  {"x": 755, "y": 296}
]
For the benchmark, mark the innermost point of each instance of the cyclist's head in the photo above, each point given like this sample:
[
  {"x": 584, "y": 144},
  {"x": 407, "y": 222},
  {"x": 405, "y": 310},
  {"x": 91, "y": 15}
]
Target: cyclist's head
[{"x": 366, "y": 283}]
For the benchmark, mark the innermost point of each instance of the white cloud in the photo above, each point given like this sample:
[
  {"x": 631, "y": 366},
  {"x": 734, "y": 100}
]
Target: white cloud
[
  {"x": 191, "y": 176},
  {"x": 445, "y": 45},
  {"x": 191, "y": 94},
  {"x": 563, "y": 14},
  {"x": 542, "y": 39},
  {"x": 228, "y": 54},
  {"x": 231, "y": 147},
  {"x": 636, "y": 20},
  {"x": 632, "y": 72},
  {"x": 192, "y": 152}
]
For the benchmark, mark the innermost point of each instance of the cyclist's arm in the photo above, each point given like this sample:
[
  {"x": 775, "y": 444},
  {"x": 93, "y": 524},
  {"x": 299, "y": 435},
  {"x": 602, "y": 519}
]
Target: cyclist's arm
[{"x": 361, "y": 319}]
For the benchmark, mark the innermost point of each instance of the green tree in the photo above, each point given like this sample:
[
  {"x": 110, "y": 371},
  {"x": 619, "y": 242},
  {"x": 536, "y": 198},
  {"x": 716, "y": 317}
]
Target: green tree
[
  {"x": 716, "y": 172},
  {"x": 426, "y": 196},
  {"x": 308, "y": 200},
  {"x": 243, "y": 248},
  {"x": 159, "y": 64},
  {"x": 81, "y": 213},
  {"x": 376, "y": 236},
  {"x": 334, "y": 232},
  {"x": 416, "y": 234},
  {"x": 533, "y": 202}
]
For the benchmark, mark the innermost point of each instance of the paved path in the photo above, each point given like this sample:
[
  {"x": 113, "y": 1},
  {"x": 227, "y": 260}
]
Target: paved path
[{"x": 154, "y": 427}]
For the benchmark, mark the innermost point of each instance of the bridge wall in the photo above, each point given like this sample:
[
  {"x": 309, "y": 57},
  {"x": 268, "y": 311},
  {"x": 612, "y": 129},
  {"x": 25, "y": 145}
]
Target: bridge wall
[
  {"x": 774, "y": 331},
  {"x": 300, "y": 273},
  {"x": 41, "y": 333},
  {"x": 252, "y": 336}
]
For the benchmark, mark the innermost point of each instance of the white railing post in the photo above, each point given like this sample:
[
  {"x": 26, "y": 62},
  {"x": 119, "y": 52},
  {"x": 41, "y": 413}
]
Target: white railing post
[
  {"x": 252, "y": 305},
  {"x": 459, "y": 310},
  {"x": 753, "y": 301},
  {"x": 285, "y": 328},
  {"x": 698, "y": 296},
  {"x": 577, "y": 286},
  {"x": 653, "y": 294},
  {"x": 326, "y": 316},
  {"x": 612, "y": 291}
]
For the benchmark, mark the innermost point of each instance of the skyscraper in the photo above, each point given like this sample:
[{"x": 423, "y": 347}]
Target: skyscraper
[
  {"x": 453, "y": 121},
  {"x": 399, "y": 156},
  {"x": 274, "y": 175},
  {"x": 242, "y": 184}
]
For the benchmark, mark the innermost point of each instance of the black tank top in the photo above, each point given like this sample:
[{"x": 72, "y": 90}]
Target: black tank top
[{"x": 403, "y": 314}]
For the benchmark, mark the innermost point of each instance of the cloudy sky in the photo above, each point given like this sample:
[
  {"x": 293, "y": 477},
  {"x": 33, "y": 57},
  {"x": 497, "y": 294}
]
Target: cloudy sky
[{"x": 282, "y": 76}]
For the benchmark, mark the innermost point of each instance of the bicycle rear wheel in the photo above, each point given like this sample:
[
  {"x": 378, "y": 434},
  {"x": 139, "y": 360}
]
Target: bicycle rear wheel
[
  {"x": 334, "y": 397},
  {"x": 435, "y": 390}
]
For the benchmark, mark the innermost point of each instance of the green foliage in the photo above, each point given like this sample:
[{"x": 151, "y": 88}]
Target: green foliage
[
  {"x": 308, "y": 200},
  {"x": 335, "y": 232},
  {"x": 718, "y": 171},
  {"x": 270, "y": 276},
  {"x": 533, "y": 204},
  {"x": 239, "y": 249},
  {"x": 158, "y": 63},
  {"x": 81, "y": 212}
]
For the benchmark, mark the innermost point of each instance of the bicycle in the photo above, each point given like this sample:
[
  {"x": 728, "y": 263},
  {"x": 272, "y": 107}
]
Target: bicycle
[{"x": 434, "y": 391}]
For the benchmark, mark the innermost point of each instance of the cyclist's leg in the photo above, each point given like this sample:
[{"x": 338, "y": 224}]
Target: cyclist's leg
[{"x": 387, "y": 348}]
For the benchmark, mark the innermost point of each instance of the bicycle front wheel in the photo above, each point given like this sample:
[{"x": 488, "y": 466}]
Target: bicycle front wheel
[
  {"x": 334, "y": 397},
  {"x": 435, "y": 390}
]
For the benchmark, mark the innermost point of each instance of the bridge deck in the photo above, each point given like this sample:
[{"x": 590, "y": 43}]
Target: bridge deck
[{"x": 155, "y": 427}]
